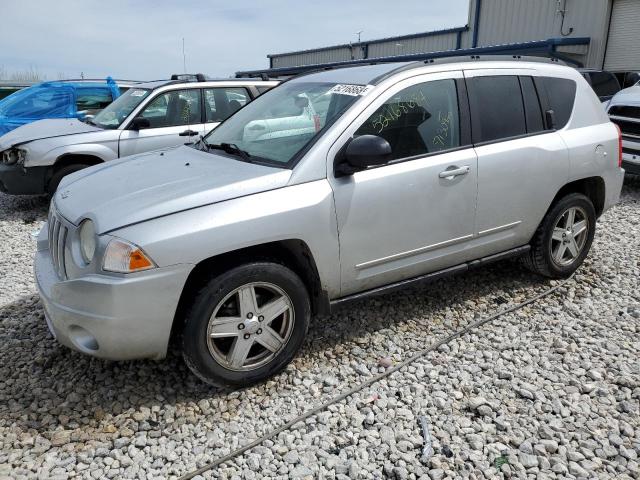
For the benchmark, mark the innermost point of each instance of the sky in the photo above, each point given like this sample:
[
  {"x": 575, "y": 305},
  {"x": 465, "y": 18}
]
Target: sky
[{"x": 143, "y": 39}]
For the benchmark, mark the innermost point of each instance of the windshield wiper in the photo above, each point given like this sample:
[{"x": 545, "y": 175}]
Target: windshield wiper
[{"x": 230, "y": 148}]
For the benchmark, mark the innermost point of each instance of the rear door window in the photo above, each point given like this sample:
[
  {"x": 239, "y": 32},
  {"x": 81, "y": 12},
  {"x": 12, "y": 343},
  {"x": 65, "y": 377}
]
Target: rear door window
[
  {"x": 497, "y": 110},
  {"x": 261, "y": 90},
  {"x": 561, "y": 93},
  {"x": 221, "y": 103}
]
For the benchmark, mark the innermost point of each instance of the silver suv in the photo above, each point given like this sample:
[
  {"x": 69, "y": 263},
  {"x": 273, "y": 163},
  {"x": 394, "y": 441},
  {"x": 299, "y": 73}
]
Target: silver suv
[
  {"x": 35, "y": 157},
  {"x": 331, "y": 187}
]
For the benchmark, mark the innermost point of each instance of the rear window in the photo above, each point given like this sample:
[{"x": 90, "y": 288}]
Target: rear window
[
  {"x": 605, "y": 84},
  {"x": 497, "y": 108},
  {"x": 562, "y": 94}
]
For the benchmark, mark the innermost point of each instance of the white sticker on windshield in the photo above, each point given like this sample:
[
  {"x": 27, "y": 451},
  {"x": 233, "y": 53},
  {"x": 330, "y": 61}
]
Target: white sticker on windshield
[
  {"x": 353, "y": 90},
  {"x": 138, "y": 93}
]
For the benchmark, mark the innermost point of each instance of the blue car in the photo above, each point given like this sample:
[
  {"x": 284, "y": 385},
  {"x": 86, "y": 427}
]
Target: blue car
[{"x": 60, "y": 99}]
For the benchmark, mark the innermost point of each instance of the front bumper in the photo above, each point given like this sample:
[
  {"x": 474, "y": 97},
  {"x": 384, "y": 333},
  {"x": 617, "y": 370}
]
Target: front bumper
[
  {"x": 631, "y": 156},
  {"x": 117, "y": 318},
  {"x": 18, "y": 180}
]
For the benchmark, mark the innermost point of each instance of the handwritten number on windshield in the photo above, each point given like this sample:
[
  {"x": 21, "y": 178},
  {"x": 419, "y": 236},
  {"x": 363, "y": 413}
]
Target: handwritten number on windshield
[
  {"x": 393, "y": 111},
  {"x": 442, "y": 132}
]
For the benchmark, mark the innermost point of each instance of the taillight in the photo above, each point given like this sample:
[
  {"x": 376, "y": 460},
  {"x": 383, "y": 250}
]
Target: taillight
[{"x": 619, "y": 145}]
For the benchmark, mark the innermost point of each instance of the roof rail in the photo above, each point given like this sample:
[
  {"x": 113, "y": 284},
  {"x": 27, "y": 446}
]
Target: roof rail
[
  {"x": 95, "y": 80},
  {"x": 189, "y": 77}
]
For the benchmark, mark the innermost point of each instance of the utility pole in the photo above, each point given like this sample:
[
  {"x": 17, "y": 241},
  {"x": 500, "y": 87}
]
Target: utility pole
[
  {"x": 359, "y": 33},
  {"x": 184, "y": 58}
]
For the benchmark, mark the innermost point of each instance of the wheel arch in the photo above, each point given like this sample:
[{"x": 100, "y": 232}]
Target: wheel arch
[
  {"x": 67, "y": 159},
  {"x": 592, "y": 187},
  {"x": 292, "y": 253}
]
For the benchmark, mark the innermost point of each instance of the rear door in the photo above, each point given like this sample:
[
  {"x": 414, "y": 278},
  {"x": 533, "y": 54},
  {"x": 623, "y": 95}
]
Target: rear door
[
  {"x": 175, "y": 118},
  {"x": 521, "y": 163}
]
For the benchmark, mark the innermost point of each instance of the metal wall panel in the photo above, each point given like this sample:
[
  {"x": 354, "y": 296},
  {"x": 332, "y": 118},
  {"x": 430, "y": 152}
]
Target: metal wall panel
[
  {"x": 511, "y": 21},
  {"x": 314, "y": 57},
  {"x": 501, "y": 22},
  {"x": 432, "y": 43},
  {"x": 623, "y": 52}
]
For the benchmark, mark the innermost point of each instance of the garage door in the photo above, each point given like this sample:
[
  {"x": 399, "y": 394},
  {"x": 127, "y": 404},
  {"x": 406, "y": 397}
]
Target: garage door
[{"x": 623, "y": 47}]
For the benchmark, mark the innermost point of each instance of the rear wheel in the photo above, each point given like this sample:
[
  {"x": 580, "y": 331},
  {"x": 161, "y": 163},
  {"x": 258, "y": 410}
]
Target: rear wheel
[
  {"x": 564, "y": 237},
  {"x": 59, "y": 174},
  {"x": 246, "y": 324}
]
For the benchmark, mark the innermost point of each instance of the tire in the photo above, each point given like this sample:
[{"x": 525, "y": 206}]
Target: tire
[
  {"x": 57, "y": 177},
  {"x": 214, "y": 351},
  {"x": 546, "y": 256}
]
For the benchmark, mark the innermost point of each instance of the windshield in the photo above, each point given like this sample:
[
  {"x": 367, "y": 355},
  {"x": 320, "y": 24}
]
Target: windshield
[
  {"x": 115, "y": 113},
  {"x": 279, "y": 124},
  {"x": 38, "y": 102}
]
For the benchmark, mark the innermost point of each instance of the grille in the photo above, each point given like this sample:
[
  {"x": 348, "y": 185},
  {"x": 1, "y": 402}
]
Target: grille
[
  {"x": 629, "y": 128},
  {"x": 57, "y": 238},
  {"x": 625, "y": 111}
]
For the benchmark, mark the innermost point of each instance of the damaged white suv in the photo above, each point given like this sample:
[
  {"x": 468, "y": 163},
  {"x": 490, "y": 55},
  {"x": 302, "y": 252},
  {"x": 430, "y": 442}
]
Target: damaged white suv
[
  {"x": 329, "y": 188},
  {"x": 35, "y": 157}
]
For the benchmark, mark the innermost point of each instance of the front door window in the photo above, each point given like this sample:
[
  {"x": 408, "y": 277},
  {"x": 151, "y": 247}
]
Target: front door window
[{"x": 171, "y": 109}]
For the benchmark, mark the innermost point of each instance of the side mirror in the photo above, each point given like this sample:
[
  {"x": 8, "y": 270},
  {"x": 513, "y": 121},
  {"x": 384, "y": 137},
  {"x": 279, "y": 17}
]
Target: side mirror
[
  {"x": 362, "y": 152},
  {"x": 550, "y": 118},
  {"x": 140, "y": 123}
]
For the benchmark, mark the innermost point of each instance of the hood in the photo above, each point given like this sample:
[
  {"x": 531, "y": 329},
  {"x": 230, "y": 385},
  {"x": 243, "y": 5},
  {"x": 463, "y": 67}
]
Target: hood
[
  {"x": 154, "y": 184},
  {"x": 41, "y": 129},
  {"x": 628, "y": 96}
]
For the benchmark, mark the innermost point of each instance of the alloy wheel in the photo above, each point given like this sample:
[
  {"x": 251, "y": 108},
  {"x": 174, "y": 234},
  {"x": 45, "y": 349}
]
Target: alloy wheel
[
  {"x": 569, "y": 236},
  {"x": 250, "y": 326}
]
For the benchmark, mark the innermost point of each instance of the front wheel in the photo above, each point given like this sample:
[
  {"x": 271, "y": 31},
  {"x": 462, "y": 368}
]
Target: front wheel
[
  {"x": 57, "y": 177},
  {"x": 564, "y": 237},
  {"x": 246, "y": 324}
]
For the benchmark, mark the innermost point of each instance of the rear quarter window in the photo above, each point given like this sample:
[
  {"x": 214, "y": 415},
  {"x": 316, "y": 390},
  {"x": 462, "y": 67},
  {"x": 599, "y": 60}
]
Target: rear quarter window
[{"x": 561, "y": 93}]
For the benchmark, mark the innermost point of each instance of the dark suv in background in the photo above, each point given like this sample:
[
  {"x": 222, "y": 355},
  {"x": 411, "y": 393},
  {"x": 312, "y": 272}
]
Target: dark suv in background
[{"x": 605, "y": 84}]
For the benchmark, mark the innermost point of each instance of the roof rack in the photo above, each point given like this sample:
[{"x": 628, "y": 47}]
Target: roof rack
[
  {"x": 526, "y": 51},
  {"x": 189, "y": 77},
  {"x": 94, "y": 80}
]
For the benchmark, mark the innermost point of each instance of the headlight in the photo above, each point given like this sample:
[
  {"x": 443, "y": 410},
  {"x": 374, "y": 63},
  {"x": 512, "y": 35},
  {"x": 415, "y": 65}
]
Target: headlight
[
  {"x": 125, "y": 257},
  {"x": 87, "y": 240},
  {"x": 14, "y": 155}
]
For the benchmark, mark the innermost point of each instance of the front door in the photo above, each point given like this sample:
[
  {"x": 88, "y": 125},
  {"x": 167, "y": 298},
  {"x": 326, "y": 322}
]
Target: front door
[
  {"x": 175, "y": 118},
  {"x": 415, "y": 214}
]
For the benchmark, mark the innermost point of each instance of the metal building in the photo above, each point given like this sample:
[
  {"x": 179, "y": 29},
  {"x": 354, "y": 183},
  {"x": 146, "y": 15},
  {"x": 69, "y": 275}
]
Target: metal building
[{"x": 588, "y": 33}]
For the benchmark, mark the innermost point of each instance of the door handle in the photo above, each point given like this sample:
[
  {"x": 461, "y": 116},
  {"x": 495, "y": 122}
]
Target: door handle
[
  {"x": 453, "y": 171},
  {"x": 187, "y": 133}
]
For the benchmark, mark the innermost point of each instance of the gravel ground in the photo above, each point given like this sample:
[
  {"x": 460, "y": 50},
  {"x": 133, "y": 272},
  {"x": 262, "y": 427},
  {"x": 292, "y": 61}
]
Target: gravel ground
[{"x": 549, "y": 391}]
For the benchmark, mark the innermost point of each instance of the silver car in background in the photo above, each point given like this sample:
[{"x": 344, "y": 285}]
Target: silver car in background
[
  {"x": 35, "y": 157},
  {"x": 331, "y": 187}
]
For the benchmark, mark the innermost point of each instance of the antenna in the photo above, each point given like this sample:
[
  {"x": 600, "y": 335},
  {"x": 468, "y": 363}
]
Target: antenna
[
  {"x": 359, "y": 32},
  {"x": 184, "y": 58}
]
